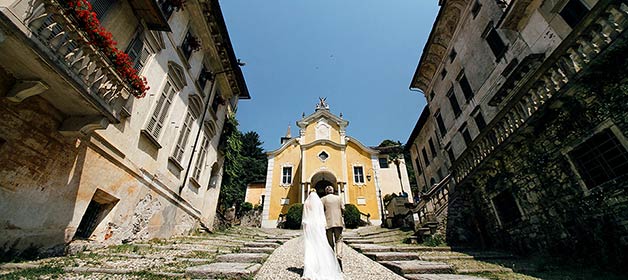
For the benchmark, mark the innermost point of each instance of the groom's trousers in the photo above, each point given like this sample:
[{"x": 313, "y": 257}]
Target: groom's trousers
[{"x": 334, "y": 237}]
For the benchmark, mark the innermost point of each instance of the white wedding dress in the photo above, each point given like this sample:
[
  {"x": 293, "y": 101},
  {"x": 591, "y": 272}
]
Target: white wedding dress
[{"x": 319, "y": 261}]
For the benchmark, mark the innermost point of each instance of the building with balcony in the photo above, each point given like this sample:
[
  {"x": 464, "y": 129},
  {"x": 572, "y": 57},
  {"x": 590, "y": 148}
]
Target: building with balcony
[
  {"x": 528, "y": 104},
  {"x": 86, "y": 155}
]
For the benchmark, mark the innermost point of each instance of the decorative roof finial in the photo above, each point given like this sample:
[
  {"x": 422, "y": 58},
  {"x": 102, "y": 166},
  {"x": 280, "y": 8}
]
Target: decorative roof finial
[
  {"x": 288, "y": 134},
  {"x": 322, "y": 104},
  {"x": 341, "y": 115}
]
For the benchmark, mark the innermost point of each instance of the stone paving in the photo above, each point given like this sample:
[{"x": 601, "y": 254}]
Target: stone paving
[
  {"x": 287, "y": 263},
  {"x": 233, "y": 254}
]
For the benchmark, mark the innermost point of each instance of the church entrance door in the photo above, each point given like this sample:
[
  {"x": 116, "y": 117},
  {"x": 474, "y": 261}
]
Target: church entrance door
[{"x": 323, "y": 179}]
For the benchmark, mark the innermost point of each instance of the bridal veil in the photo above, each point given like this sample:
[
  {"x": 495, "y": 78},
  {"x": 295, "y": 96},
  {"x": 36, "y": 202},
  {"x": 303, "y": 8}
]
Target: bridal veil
[{"x": 319, "y": 261}]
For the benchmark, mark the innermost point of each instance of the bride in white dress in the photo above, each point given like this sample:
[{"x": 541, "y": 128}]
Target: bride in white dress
[{"x": 319, "y": 262}]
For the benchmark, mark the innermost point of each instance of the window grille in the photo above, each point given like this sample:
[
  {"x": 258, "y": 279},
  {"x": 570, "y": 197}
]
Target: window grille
[
  {"x": 203, "y": 77},
  {"x": 600, "y": 159},
  {"x": 441, "y": 124}
]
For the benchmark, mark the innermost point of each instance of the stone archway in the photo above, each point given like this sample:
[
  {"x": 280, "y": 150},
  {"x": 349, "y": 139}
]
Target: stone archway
[{"x": 323, "y": 179}]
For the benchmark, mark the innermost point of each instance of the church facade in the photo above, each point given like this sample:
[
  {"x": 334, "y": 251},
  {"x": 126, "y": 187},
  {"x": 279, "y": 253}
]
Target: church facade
[{"x": 323, "y": 155}]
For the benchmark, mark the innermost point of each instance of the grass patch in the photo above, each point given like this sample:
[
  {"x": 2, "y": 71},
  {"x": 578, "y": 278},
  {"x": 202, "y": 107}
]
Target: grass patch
[
  {"x": 34, "y": 273},
  {"x": 435, "y": 240}
]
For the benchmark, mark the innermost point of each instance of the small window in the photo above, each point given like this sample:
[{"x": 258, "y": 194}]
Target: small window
[
  {"x": 217, "y": 101},
  {"x": 479, "y": 121},
  {"x": 323, "y": 156},
  {"x": 443, "y": 74},
  {"x": 285, "y": 201},
  {"x": 466, "y": 136},
  {"x": 450, "y": 154},
  {"x": 418, "y": 165},
  {"x": 432, "y": 94},
  {"x": 425, "y": 158},
  {"x": 574, "y": 12},
  {"x": 466, "y": 88},
  {"x": 495, "y": 42},
  {"x": 475, "y": 10},
  {"x": 361, "y": 201},
  {"x": 600, "y": 159},
  {"x": 190, "y": 44},
  {"x": 453, "y": 101},
  {"x": 383, "y": 163},
  {"x": 203, "y": 77},
  {"x": 286, "y": 177},
  {"x": 98, "y": 208},
  {"x": 452, "y": 55},
  {"x": 441, "y": 124},
  {"x": 432, "y": 148},
  {"x": 358, "y": 174},
  {"x": 167, "y": 8},
  {"x": 506, "y": 208}
]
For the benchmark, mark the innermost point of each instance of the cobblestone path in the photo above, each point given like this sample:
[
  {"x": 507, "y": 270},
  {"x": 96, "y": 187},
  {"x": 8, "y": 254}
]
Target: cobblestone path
[
  {"x": 233, "y": 254},
  {"x": 287, "y": 263}
]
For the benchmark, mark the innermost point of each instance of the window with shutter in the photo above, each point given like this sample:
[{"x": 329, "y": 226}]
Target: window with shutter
[
  {"x": 198, "y": 167},
  {"x": 183, "y": 138},
  {"x": 158, "y": 117},
  {"x": 138, "y": 51},
  {"x": 101, "y": 7}
]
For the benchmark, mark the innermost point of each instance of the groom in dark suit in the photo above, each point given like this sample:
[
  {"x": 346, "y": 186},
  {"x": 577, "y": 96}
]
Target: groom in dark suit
[{"x": 335, "y": 224}]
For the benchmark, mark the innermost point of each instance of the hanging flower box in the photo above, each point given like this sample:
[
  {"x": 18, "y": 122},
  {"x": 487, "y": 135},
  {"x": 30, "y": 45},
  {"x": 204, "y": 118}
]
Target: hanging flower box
[{"x": 102, "y": 39}]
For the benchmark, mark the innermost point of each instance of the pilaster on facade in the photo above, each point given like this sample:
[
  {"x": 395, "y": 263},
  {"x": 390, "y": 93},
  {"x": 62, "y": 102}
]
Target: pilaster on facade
[{"x": 267, "y": 194}]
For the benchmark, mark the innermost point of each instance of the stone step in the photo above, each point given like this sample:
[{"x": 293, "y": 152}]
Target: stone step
[
  {"x": 365, "y": 248},
  {"x": 266, "y": 250},
  {"x": 223, "y": 270},
  {"x": 416, "y": 267},
  {"x": 242, "y": 258},
  {"x": 358, "y": 241},
  {"x": 273, "y": 240},
  {"x": 261, "y": 244},
  {"x": 386, "y": 234},
  {"x": 483, "y": 270},
  {"x": 395, "y": 256},
  {"x": 441, "y": 277}
]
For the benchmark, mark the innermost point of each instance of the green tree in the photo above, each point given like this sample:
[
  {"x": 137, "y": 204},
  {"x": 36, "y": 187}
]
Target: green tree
[{"x": 245, "y": 162}]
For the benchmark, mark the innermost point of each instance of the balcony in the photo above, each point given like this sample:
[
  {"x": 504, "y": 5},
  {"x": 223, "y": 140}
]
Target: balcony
[
  {"x": 602, "y": 26},
  {"x": 48, "y": 55}
]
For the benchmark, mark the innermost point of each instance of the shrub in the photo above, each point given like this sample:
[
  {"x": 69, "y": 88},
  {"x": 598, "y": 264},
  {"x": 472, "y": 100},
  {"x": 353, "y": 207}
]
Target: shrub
[
  {"x": 352, "y": 216},
  {"x": 246, "y": 207},
  {"x": 435, "y": 240},
  {"x": 294, "y": 215}
]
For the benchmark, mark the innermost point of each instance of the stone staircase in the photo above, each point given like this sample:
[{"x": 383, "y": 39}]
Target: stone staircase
[
  {"x": 237, "y": 253},
  {"x": 412, "y": 261}
]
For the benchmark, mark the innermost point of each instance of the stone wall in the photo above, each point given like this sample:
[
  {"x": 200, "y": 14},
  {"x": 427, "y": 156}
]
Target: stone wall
[{"x": 559, "y": 214}]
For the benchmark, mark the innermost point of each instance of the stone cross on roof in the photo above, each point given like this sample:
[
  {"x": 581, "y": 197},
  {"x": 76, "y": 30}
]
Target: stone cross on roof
[{"x": 322, "y": 104}]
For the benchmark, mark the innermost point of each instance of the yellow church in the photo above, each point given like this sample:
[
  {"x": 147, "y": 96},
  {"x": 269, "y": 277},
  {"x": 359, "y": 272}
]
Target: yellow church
[{"x": 324, "y": 155}]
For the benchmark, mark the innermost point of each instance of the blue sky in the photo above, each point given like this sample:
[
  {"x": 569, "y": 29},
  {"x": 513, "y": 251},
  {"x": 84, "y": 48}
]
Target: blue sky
[{"x": 360, "y": 54}]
